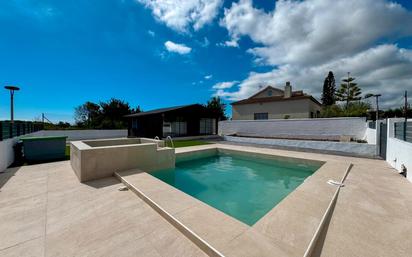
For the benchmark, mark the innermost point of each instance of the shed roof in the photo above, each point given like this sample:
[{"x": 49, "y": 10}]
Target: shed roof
[{"x": 161, "y": 110}]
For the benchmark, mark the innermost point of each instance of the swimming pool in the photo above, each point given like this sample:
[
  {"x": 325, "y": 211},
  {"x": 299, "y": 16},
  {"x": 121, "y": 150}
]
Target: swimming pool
[{"x": 243, "y": 187}]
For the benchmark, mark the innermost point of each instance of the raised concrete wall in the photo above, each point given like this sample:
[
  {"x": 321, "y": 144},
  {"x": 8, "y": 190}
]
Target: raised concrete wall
[
  {"x": 351, "y": 149},
  {"x": 370, "y": 136},
  {"x": 398, "y": 152},
  {"x": 327, "y": 128},
  {"x": 7, "y": 153},
  {"x": 73, "y": 135},
  {"x": 94, "y": 159}
]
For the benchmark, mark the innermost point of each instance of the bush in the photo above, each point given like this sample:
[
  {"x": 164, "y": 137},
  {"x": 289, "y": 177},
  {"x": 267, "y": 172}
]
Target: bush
[{"x": 354, "y": 109}]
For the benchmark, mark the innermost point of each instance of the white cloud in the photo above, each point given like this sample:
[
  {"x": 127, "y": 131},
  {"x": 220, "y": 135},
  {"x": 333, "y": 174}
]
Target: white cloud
[
  {"x": 224, "y": 85},
  {"x": 151, "y": 33},
  {"x": 207, "y": 77},
  {"x": 180, "y": 14},
  {"x": 229, "y": 43},
  {"x": 303, "y": 40},
  {"x": 177, "y": 48}
]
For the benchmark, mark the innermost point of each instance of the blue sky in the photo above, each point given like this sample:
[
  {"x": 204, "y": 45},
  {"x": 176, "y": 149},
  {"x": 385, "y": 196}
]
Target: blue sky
[{"x": 63, "y": 53}]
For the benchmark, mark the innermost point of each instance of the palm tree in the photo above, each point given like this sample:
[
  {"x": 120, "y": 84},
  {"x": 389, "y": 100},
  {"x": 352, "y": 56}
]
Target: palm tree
[{"x": 348, "y": 91}]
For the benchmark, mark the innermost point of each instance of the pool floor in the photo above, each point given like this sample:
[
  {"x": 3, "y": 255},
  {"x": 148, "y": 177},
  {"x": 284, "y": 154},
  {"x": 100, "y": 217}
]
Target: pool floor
[{"x": 244, "y": 188}]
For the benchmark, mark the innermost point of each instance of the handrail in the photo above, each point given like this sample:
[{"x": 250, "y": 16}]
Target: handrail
[{"x": 171, "y": 141}]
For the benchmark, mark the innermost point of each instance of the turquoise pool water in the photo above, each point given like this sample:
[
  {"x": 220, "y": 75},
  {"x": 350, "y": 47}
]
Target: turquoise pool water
[{"x": 241, "y": 187}]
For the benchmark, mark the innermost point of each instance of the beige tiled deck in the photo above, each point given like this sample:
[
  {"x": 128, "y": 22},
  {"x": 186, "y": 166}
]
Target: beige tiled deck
[{"x": 45, "y": 211}]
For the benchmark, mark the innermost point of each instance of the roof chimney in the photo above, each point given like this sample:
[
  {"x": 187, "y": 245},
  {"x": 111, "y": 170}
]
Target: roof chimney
[{"x": 288, "y": 90}]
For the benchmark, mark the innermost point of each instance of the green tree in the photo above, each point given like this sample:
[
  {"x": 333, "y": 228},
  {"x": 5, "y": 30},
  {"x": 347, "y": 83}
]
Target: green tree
[
  {"x": 329, "y": 88},
  {"x": 217, "y": 107},
  {"x": 112, "y": 114},
  {"x": 348, "y": 91},
  {"x": 87, "y": 114},
  {"x": 354, "y": 109},
  {"x": 105, "y": 115}
]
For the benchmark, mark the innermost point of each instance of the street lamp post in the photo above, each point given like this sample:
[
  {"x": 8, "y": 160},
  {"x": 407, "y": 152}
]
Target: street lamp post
[
  {"x": 377, "y": 103},
  {"x": 12, "y": 89}
]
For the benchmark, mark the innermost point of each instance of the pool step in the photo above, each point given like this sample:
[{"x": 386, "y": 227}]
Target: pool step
[{"x": 129, "y": 177}]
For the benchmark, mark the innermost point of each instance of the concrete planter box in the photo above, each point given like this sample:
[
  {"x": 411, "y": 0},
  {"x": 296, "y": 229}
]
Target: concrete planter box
[
  {"x": 94, "y": 159},
  {"x": 44, "y": 148}
]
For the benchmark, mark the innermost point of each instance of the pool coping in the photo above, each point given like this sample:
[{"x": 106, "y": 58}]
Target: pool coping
[{"x": 286, "y": 230}]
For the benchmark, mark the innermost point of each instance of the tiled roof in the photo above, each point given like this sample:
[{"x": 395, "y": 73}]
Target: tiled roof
[{"x": 275, "y": 99}]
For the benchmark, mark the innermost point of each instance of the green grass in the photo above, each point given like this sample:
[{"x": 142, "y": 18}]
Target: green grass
[
  {"x": 67, "y": 152},
  {"x": 185, "y": 143}
]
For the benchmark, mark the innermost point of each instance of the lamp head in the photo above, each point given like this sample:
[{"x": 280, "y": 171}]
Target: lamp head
[{"x": 13, "y": 88}]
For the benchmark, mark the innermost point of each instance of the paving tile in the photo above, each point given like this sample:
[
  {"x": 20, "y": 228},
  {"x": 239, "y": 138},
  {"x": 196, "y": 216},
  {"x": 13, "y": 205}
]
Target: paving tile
[
  {"x": 288, "y": 227},
  {"x": 169, "y": 242},
  {"x": 254, "y": 244},
  {"x": 22, "y": 221},
  {"x": 212, "y": 225},
  {"x": 173, "y": 200},
  {"x": 30, "y": 248}
]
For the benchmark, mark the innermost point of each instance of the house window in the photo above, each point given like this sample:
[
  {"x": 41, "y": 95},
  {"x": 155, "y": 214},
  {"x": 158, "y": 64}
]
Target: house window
[
  {"x": 261, "y": 116},
  {"x": 135, "y": 124},
  {"x": 207, "y": 126},
  {"x": 179, "y": 128}
]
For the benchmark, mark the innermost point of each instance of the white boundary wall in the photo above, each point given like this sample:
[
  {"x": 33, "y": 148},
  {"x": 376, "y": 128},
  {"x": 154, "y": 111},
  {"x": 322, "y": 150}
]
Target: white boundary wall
[
  {"x": 398, "y": 152},
  {"x": 74, "y": 135},
  {"x": 371, "y": 135},
  {"x": 7, "y": 153},
  {"x": 325, "y": 128}
]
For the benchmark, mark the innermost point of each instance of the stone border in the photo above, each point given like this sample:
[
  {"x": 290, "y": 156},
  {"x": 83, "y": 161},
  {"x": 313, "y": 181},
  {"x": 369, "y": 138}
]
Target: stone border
[
  {"x": 328, "y": 213},
  {"x": 227, "y": 234},
  {"x": 202, "y": 244}
]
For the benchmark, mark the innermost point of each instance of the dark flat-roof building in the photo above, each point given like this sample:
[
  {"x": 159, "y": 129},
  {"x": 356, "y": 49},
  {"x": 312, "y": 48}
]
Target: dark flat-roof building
[{"x": 178, "y": 121}]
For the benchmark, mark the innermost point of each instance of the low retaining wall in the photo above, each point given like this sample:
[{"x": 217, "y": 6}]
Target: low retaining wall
[
  {"x": 352, "y": 149},
  {"x": 94, "y": 159},
  {"x": 327, "y": 128},
  {"x": 7, "y": 153},
  {"x": 73, "y": 135}
]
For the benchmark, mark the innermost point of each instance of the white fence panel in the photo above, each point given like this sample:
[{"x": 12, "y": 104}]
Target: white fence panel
[{"x": 398, "y": 152}]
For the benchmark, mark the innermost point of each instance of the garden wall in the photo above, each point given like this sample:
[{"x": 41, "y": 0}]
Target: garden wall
[{"x": 323, "y": 129}]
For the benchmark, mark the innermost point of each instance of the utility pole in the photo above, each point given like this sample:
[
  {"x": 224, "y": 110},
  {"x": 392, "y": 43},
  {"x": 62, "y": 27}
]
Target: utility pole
[
  {"x": 12, "y": 89},
  {"x": 377, "y": 103},
  {"x": 377, "y": 106}
]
